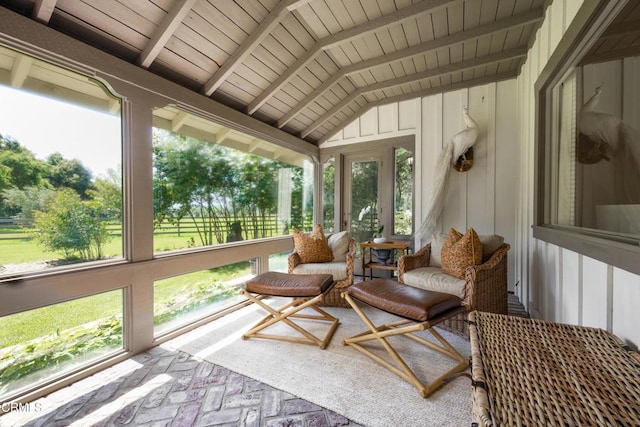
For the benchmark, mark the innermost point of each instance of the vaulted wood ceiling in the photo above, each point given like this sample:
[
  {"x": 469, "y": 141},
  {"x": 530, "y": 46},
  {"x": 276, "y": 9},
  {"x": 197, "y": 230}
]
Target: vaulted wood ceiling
[{"x": 308, "y": 67}]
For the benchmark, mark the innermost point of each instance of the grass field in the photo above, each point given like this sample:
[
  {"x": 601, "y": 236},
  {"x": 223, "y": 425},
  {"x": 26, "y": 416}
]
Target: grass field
[{"x": 44, "y": 321}]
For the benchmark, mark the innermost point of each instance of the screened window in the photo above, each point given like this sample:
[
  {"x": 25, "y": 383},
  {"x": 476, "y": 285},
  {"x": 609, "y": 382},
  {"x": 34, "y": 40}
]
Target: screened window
[
  {"x": 594, "y": 151},
  {"x": 403, "y": 192},
  {"x": 60, "y": 167},
  {"x": 213, "y": 185},
  {"x": 45, "y": 343},
  {"x": 183, "y": 299},
  {"x": 328, "y": 195}
]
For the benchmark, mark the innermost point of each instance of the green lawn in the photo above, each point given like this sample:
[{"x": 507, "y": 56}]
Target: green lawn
[{"x": 36, "y": 323}]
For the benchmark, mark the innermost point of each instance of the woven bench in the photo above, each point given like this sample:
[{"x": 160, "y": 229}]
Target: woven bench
[
  {"x": 421, "y": 310},
  {"x": 539, "y": 373},
  {"x": 307, "y": 292}
]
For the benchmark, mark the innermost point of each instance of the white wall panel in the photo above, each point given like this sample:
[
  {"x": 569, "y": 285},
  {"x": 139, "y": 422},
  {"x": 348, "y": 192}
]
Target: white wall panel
[
  {"x": 387, "y": 118},
  {"x": 407, "y": 115},
  {"x": 552, "y": 283},
  {"x": 369, "y": 122},
  {"x": 506, "y": 169},
  {"x": 594, "y": 293},
  {"x": 455, "y": 210},
  {"x": 571, "y": 293},
  {"x": 480, "y": 178},
  {"x": 626, "y": 316}
]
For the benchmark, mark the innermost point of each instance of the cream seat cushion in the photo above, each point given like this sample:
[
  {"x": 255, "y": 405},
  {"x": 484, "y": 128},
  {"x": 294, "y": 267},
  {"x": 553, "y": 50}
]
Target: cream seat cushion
[
  {"x": 433, "y": 279},
  {"x": 337, "y": 269}
]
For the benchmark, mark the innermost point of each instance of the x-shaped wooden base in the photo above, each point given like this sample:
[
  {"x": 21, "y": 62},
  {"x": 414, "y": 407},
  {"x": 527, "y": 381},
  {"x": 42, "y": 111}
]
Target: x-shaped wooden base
[
  {"x": 405, "y": 328},
  {"x": 288, "y": 311}
]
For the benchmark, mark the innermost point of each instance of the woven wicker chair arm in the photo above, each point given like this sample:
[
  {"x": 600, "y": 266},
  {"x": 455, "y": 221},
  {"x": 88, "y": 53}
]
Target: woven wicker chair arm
[
  {"x": 350, "y": 255},
  {"x": 413, "y": 261},
  {"x": 486, "y": 284},
  {"x": 293, "y": 260}
]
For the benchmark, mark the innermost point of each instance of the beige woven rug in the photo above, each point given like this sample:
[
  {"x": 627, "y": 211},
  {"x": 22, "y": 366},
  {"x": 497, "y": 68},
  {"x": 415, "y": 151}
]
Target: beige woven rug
[{"x": 338, "y": 378}]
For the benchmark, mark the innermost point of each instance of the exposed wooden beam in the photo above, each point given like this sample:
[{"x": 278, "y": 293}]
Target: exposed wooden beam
[
  {"x": 179, "y": 120},
  {"x": 253, "y": 145},
  {"x": 222, "y": 135},
  {"x": 429, "y": 74},
  {"x": 480, "y": 31},
  {"x": 420, "y": 94},
  {"x": 622, "y": 29},
  {"x": 399, "y": 16},
  {"x": 20, "y": 70},
  {"x": 255, "y": 38},
  {"x": 164, "y": 31},
  {"x": 43, "y": 9}
]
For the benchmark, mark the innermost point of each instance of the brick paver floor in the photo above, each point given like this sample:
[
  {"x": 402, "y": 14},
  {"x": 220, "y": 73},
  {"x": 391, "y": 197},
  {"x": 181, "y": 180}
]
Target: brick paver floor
[{"x": 164, "y": 387}]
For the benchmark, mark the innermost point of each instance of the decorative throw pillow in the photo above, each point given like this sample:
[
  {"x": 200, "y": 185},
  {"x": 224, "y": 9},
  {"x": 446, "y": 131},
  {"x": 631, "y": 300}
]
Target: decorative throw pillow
[
  {"x": 339, "y": 244},
  {"x": 460, "y": 251},
  {"x": 435, "y": 260},
  {"x": 312, "y": 247}
]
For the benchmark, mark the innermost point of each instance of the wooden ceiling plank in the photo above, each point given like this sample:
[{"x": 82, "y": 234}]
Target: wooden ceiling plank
[
  {"x": 164, "y": 31},
  {"x": 327, "y": 17},
  {"x": 622, "y": 29},
  {"x": 263, "y": 30},
  {"x": 350, "y": 34},
  {"x": 43, "y": 9},
  {"x": 109, "y": 26},
  {"x": 426, "y": 92},
  {"x": 480, "y": 31},
  {"x": 441, "y": 71},
  {"x": 341, "y": 13}
]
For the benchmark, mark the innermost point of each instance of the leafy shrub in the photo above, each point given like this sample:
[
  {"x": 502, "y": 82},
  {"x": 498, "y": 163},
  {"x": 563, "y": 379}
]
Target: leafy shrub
[{"x": 72, "y": 226}]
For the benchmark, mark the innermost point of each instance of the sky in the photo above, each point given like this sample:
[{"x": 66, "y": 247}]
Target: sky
[{"x": 48, "y": 126}]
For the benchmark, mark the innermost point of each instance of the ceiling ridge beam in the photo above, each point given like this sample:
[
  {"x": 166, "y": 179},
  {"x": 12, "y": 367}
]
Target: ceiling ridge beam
[
  {"x": 494, "y": 78},
  {"x": 412, "y": 78},
  {"x": 255, "y": 38},
  {"x": 344, "y": 36},
  {"x": 165, "y": 30},
  {"x": 459, "y": 37}
]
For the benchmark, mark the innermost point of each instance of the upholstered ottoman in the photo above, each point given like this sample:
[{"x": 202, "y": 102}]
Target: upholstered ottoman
[
  {"x": 306, "y": 290},
  {"x": 420, "y": 309}
]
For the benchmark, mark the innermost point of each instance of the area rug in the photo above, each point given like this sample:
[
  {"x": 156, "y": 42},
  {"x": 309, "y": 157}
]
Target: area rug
[{"x": 338, "y": 378}]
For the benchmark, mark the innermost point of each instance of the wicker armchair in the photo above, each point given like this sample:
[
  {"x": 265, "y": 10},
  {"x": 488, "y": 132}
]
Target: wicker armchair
[
  {"x": 342, "y": 270},
  {"x": 484, "y": 289}
]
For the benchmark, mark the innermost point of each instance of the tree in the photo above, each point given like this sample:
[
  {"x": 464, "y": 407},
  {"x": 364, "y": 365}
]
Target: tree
[
  {"x": 72, "y": 226},
  {"x": 64, "y": 173},
  {"x": 197, "y": 180},
  {"x": 19, "y": 166},
  {"x": 27, "y": 200},
  {"x": 107, "y": 191}
]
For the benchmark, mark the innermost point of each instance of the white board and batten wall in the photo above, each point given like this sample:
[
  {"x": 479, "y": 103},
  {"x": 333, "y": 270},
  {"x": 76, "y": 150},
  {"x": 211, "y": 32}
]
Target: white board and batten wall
[
  {"x": 559, "y": 284},
  {"x": 497, "y": 194},
  {"x": 483, "y": 197}
]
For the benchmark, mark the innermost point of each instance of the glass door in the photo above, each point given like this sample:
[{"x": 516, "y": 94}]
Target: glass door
[{"x": 361, "y": 213}]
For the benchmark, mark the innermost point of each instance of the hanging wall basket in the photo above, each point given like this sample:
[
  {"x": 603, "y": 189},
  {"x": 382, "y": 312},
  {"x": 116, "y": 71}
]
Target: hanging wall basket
[{"x": 464, "y": 163}]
